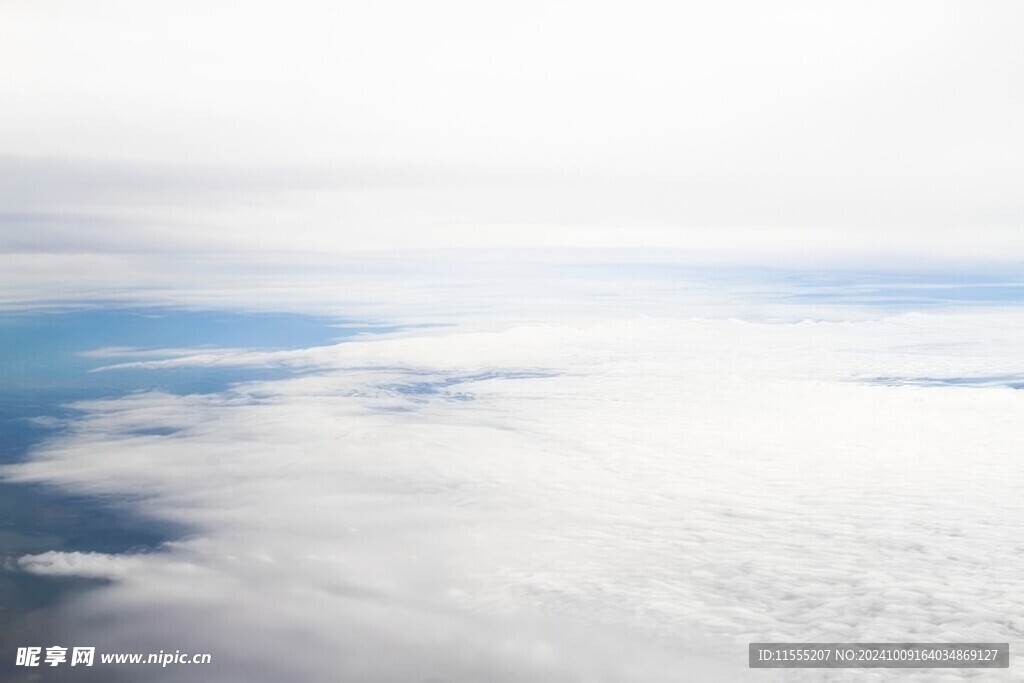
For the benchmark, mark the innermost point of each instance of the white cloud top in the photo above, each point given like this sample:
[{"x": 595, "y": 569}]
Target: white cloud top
[{"x": 602, "y": 500}]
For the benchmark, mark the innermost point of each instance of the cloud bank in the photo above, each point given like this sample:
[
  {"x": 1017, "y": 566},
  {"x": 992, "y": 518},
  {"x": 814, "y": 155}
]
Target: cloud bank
[
  {"x": 787, "y": 132},
  {"x": 585, "y": 501}
]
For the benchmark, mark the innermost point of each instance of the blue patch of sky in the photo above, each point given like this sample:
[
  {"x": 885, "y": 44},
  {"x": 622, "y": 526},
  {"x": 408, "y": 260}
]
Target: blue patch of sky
[
  {"x": 1011, "y": 381},
  {"x": 903, "y": 290},
  {"x": 40, "y": 351},
  {"x": 43, "y": 369},
  {"x": 877, "y": 288}
]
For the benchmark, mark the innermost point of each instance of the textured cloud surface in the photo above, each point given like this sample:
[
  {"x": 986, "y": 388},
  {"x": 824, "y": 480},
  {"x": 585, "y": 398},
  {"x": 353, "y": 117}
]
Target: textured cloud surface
[{"x": 592, "y": 501}]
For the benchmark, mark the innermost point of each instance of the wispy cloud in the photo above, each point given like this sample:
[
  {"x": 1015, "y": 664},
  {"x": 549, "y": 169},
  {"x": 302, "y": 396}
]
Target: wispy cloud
[
  {"x": 133, "y": 352},
  {"x": 87, "y": 565}
]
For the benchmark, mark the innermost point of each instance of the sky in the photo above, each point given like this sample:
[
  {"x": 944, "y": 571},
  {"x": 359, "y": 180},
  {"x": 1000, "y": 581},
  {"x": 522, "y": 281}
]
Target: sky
[
  {"x": 696, "y": 324},
  {"x": 778, "y": 133}
]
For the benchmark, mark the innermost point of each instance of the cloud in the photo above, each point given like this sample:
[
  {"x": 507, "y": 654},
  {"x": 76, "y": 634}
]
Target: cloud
[
  {"x": 132, "y": 352},
  {"x": 414, "y": 287},
  {"x": 609, "y": 500},
  {"x": 86, "y": 565},
  {"x": 792, "y": 131}
]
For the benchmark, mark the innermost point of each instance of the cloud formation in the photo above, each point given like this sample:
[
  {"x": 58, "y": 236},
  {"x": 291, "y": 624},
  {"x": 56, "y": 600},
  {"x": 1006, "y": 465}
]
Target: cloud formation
[
  {"x": 86, "y": 565},
  {"x": 796, "y": 129},
  {"x": 596, "y": 500}
]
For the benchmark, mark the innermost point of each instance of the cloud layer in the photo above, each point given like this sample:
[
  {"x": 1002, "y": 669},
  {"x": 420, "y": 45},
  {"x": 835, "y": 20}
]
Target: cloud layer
[
  {"x": 875, "y": 128},
  {"x": 598, "y": 501}
]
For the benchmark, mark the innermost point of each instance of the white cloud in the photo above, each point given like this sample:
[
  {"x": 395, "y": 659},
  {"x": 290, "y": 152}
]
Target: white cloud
[
  {"x": 651, "y": 495},
  {"x": 412, "y": 287},
  {"x": 795, "y": 130},
  {"x": 133, "y": 352},
  {"x": 88, "y": 565}
]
